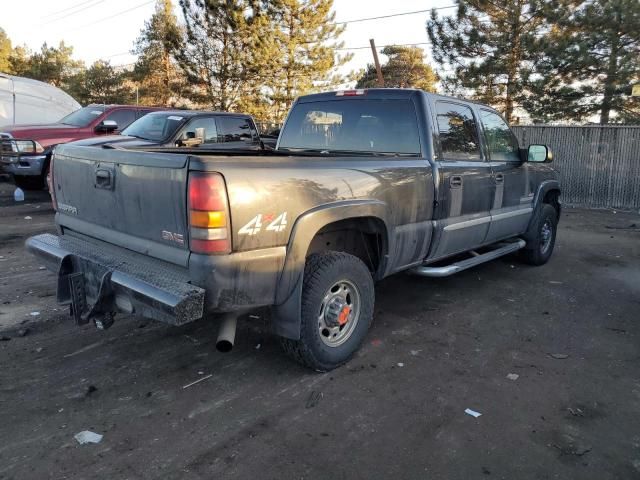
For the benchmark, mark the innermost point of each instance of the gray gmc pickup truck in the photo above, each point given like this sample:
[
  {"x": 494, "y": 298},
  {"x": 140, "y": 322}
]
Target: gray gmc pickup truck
[{"x": 362, "y": 184}]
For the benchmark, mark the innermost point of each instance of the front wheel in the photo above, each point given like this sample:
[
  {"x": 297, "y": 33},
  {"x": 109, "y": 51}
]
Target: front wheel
[
  {"x": 337, "y": 308},
  {"x": 541, "y": 236}
]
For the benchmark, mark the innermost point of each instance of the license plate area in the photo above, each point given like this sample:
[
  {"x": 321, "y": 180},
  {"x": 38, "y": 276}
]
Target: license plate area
[
  {"x": 85, "y": 286},
  {"x": 78, "y": 297}
]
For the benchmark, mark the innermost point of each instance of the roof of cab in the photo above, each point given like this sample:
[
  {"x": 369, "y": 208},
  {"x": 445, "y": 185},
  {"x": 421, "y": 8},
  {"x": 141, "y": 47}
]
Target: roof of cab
[
  {"x": 377, "y": 93},
  {"x": 193, "y": 113}
]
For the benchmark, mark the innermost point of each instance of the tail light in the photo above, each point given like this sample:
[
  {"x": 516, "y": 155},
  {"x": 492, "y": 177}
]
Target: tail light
[
  {"x": 209, "y": 230},
  {"x": 51, "y": 184}
]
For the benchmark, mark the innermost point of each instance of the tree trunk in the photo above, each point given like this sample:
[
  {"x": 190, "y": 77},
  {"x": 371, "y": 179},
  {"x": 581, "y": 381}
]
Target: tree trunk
[
  {"x": 612, "y": 73},
  {"x": 514, "y": 62}
]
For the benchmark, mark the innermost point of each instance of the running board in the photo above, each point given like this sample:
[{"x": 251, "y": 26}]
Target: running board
[{"x": 503, "y": 249}]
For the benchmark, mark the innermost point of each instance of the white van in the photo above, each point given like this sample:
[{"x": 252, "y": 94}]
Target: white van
[{"x": 23, "y": 100}]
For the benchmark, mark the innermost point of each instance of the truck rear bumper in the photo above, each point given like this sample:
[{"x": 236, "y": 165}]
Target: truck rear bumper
[{"x": 97, "y": 279}]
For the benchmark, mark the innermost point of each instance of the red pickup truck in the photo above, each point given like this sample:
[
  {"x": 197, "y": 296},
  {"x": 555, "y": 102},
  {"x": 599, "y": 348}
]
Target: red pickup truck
[{"x": 25, "y": 150}]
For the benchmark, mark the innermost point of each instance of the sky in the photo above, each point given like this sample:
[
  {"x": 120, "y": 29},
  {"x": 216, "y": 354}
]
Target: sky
[{"x": 107, "y": 29}]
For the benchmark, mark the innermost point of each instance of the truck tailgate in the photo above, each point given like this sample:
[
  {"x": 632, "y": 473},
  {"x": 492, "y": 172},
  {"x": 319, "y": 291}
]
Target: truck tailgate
[{"x": 128, "y": 198}]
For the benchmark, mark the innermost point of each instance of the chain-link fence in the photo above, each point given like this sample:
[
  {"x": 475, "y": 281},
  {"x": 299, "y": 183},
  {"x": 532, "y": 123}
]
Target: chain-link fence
[{"x": 599, "y": 166}]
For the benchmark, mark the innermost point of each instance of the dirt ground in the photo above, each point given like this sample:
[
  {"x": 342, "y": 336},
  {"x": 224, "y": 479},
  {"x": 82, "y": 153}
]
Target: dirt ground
[{"x": 570, "y": 330}]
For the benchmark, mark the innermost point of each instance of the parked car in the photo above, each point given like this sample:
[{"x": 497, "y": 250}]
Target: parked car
[
  {"x": 185, "y": 128},
  {"x": 25, "y": 150},
  {"x": 23, "y": 100},
  {"x": 363, "y": 184}
]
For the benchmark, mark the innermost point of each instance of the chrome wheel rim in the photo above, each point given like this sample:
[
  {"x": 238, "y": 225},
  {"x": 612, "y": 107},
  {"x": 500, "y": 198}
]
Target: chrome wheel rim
[
  {"x": 546, "y": 234},
  {"x": 339, "y": 313}
]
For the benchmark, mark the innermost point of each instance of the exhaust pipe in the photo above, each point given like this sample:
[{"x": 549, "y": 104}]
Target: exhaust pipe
[{"x": 227, "y": 333}]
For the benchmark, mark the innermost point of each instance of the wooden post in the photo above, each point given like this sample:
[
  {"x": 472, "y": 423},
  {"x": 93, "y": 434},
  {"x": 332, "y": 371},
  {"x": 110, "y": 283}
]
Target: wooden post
[{"x": 377, "y": 62}]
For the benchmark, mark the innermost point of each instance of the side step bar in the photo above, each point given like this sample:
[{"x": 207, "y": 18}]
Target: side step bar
[{"x": 503, "y": 249}]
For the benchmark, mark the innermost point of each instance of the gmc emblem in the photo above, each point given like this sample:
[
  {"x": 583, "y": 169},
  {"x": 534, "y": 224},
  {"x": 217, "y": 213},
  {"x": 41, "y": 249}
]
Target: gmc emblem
[{"x": 173, "y": 237}]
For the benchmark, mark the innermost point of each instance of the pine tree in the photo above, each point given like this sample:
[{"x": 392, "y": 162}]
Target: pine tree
[
  {"x": 488, "y": 48},
  {"x": 215, "y": 53},
  {"x": 591, "y": 60},
  {"x": 20, "y": 61},
  {"x": 51, "y": 65},
  {"x": 102, "y": 83},
  {"x": 156, "y": 72},
  {"x": 404, "y": 69},
  {"x": 5, "y": 52},
  {"x": 305, "y": 39}
]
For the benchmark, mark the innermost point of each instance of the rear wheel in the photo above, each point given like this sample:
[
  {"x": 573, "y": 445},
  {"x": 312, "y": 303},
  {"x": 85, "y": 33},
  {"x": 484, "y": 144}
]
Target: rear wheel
[
  {"x": 541, "y": 237},
  {"x": 337, "y": 308}
]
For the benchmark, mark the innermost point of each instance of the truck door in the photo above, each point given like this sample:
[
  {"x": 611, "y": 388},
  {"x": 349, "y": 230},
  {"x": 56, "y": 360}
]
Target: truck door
[
  {"x": 511, "y": 207},
  {"x": 465, "y": 181}
]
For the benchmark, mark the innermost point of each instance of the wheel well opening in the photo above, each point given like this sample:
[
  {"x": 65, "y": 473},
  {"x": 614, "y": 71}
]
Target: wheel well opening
[
  {"x": 363, "y": 237},
  {"x": 552, "y": 197}
]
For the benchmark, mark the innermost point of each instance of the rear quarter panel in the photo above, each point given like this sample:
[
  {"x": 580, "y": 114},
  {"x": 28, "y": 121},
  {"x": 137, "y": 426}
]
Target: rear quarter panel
[{"x": 270, "y": 189}]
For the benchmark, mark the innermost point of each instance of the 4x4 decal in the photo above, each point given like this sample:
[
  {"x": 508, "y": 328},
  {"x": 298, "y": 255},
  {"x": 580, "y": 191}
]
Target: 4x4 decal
[{"x": 275, "y": 224}]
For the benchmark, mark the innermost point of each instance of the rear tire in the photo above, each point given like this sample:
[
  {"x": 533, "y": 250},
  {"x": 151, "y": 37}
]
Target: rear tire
[
  {"x": 337, "y": 308},
  {"x": 29, "y": 182},
  {"x": 541, "y": 237}
]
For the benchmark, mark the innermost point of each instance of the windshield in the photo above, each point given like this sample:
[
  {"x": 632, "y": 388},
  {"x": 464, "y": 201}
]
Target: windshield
[
  {"x": 84, "y": 116},
  {"x": 155, "y": 126},
  {"x": 364, "y": 126}
]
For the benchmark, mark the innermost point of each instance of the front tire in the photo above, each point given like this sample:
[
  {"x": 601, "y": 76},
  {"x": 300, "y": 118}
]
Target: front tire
[
  {"x": 541, "y": 237},
  {"x": 337, "y": 308}
]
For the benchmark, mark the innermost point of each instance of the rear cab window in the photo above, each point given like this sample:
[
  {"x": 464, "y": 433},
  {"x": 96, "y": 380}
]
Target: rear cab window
[
  {"x": 350, "y": 125},
  {"x": 458, "y": 132}
]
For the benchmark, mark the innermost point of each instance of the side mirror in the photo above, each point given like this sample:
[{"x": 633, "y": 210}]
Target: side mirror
[
  {"x": 189, "y": 139},
  {"x": 539, "y": 154},
  {"x": 107, "y": 126}
]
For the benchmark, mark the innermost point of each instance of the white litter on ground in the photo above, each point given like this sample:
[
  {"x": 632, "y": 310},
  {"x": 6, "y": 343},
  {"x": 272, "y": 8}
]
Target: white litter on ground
[
  {"x": 34, "y": 314},
  {"x": 197, "y": 381},
  {"x": 87, "y": 436},
  {"x": 27, "y": 217},
  {"x": 513, "y": 376},
  {"x": 473, "y": 413},
  {"x": 400, "y": 364}
]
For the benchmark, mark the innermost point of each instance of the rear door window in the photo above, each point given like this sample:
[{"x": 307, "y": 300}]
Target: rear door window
[
  {"x": 363, "y": 125},
  {"x": 122, "y": 117},
  {"x": 234, "y": 129},
  {"x": 503, "y": 146},
  {"x": 458, "y": 132}
]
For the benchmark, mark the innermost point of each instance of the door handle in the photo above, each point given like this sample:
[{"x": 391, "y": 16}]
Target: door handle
[
  {"x": 104, "y": 178},
  {"x": 499, "y": 178},
  {"x": 455, "y": 181}
]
